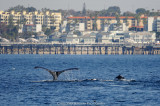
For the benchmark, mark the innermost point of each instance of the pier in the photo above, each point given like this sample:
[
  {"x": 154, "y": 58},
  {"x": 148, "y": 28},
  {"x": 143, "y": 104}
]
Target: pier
[{"x": 79, "y": 49}]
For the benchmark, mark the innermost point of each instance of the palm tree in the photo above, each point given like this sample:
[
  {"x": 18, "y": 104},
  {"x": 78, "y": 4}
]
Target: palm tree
[
  {"x": 126, "y": 21},
  {"x": 18, "y": 26},
  {"x": 144, "y": 21},
  {"x": 118, "y": 19},
  {"x": 10, "y": 22},
  {"x": 91, "y": 17},
  {"x": 95, "y": 22},
  {"x": 24, "y": 21},
  {"x": 137, "y": 17}
]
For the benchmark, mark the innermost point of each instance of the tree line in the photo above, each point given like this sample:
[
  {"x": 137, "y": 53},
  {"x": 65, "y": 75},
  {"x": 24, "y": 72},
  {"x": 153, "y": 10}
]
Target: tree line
[{"x": 111, "y": 11}]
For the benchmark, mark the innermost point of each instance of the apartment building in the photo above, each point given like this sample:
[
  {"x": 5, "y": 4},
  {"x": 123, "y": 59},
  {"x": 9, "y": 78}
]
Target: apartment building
[
  {"x": 26, "y": 17},
  {"x": 15, "y": 16},
  {"x": 156, "y": 24},
  {"x": 153, "y": 24},
  {"x": 38, "y": 18},
  {"x": 150, "y": 24},
  {"x": 102, "y": 21},
  {"x": 52, "y": 19},
  {"x": 47, "y": 19},
  {"x": 4, "y": 16},
  {"x": 57, "y": 20}
]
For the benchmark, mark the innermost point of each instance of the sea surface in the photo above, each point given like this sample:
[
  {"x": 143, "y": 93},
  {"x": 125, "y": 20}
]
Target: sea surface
[{"x": 21, "y": 84}]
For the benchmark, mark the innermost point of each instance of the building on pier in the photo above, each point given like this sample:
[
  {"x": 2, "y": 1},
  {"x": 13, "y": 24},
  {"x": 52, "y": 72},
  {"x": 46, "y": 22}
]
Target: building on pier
[
  {"x": 143, "y": 37},
  {"x": 4, "y": 40},
  {"x": 98, "y": 37}
]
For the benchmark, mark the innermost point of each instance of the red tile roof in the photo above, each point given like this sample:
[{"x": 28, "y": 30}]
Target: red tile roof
[{"x": 103, "y": 17}]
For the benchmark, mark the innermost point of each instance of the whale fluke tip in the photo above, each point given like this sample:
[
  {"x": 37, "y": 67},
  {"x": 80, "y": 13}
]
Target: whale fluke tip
[{"x": 75, "y": 68}]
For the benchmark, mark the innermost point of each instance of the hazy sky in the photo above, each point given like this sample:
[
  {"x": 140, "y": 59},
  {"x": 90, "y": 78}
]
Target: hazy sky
[{"x": 130, "y": 5}]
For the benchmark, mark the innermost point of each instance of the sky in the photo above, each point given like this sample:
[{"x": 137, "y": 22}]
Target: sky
[{"x": 125, "y": 5}]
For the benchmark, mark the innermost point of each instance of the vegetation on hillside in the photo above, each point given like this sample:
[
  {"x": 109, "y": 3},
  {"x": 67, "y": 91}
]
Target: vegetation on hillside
[
  {"x": 11, "y": 31},
  {"x": 20, "y": 8}
]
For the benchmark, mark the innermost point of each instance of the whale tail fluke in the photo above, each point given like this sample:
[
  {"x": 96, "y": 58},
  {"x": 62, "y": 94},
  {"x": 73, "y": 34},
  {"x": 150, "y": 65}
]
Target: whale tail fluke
[{"x": 55, "y": 74}]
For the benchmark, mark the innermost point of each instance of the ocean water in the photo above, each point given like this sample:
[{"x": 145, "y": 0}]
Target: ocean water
[{"x": 21, "y": 84}]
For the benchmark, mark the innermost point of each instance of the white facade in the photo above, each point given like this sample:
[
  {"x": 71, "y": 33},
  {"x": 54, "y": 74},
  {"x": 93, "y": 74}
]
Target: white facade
[
  {"x": 89, "y": 40},
  {"x": 21, "y": 40},
  {"x": 143, "y": 37},
  {"x": 71, "y": 35},
  {"x": 150, "y": 23},
  {"x": 114, "y": 27},
  {"x": 106, "y": 39},
  {"x": 4, "y": 40},
  {"x": 157, "y": 24},
  {"x": 124, "y": 27},
  {"x": 81, "y": 27},
  {"x": 106, "y": 27},
  {"x": 32, "y": 28},
  {"x": 38, "y": 28},
  {"x": 153, "y": 24},
  {"x": 128, "y": 37},
  {"x": 64, "y": 27},
  {"x": 77, "y": 27},
  {"x": 72, "y": 40},
  {"x": 32, "y": 40},
  {"x": 20, "y": 28}
]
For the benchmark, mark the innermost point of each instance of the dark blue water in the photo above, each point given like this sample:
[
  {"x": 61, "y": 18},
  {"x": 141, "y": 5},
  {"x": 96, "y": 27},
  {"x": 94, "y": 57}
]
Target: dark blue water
[{"x": 18, "y": 78}]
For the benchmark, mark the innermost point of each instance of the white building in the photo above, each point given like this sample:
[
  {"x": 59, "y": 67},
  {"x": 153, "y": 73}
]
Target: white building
[
  {"x": 80, "y": 27},
  {"x": 153, "y": 24},
  {"x": 64, "y": 27},
  {"x": 21, "y": 40},
  {"x": 4, "y": 40},
  {"x": 150, "y": 23},
  {"x": 32, "y": 40},
  {"x": 106, "y": 27},
  {"x": 112, "y": 37},
  {"x": 32, "y": 28},
  {"x": 41, "y": 37},
  {"x": 76, "y": 27},
  {"x": 143, "y": 37},
  {"x": 124, "y": 27},
  {"x": 115, "y": 27},
  {"x": 127, "y": 37},
  {"x": 20, "y": 28},
  {"x": 106, "y": 39},
  {"x": 157, "y": 25},
  {"x": 89, "y": 40},
  {"x": 71, "y": 39}
]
